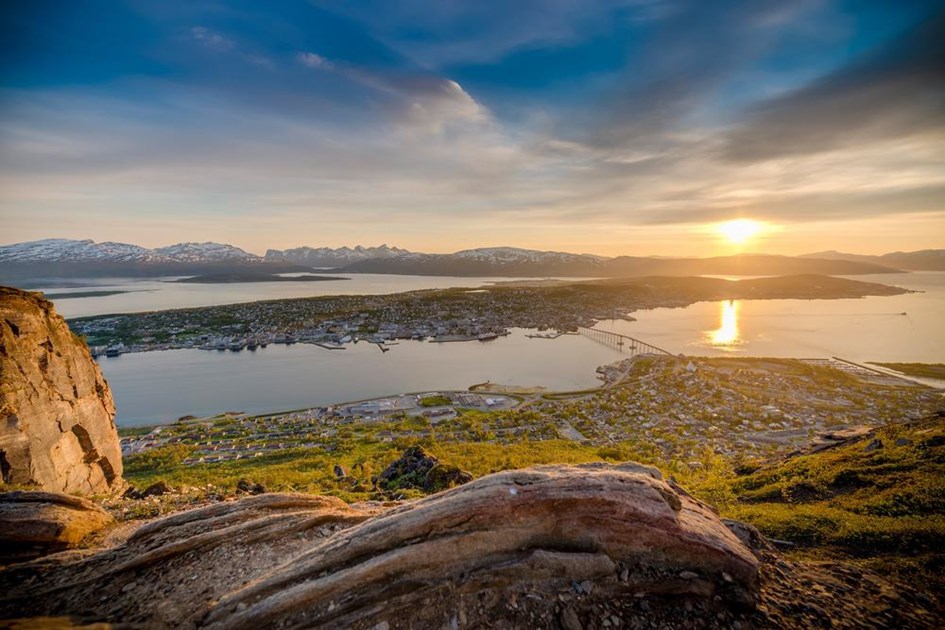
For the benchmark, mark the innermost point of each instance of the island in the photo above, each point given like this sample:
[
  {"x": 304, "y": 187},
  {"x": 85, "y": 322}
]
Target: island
[
  {"x": 238, "y": 277},
  {"x": 441, "y": 314}
]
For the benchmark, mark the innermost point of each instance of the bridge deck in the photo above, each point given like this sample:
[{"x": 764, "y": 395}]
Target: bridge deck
[{"x": 621, "y": 342}]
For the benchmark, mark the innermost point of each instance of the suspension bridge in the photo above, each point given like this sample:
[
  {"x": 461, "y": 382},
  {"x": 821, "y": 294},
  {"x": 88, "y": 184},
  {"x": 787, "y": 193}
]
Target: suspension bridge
[{"x": 623, "y": 343}]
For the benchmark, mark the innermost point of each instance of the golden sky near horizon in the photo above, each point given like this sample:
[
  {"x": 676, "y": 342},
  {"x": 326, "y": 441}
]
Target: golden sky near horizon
[{"x": 610, "y": 128}]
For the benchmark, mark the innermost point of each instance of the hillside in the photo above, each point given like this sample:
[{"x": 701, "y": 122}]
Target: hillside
[
  {"x": 922, "y": 260},
  {"x": 876, "y": 499},
  {"x": 573, "y": 547}
]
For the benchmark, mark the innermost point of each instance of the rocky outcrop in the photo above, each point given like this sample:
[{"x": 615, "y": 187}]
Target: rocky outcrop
[
  {"x": 416, "y": 469},
  {"x": 168, "y": 571},
  {"x": 33, "y": 524},
  {"x": 57, "y": 427},
  {"x": 546, "y": 527},
  {"x": 538, "y": 531},
  {"x": 593, "y": 546}
]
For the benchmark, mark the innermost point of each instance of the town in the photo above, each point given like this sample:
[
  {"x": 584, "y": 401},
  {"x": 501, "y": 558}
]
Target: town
[
  {"x": 436, "y": 315},
  {"x": 673, "y": 408}
]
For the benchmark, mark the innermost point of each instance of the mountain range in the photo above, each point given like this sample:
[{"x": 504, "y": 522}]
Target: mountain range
[
  {"x": 68, "y": 257},
  {"x": 922, "y": 260}
]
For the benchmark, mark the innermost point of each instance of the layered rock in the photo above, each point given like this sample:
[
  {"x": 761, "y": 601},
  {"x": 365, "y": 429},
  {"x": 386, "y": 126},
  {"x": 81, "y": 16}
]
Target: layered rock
[
  {"x": 34, "y": 524},
  {"x": 545, "y": 535},
  {"x": 536, "y": 531},
  {"x": 57, "y": 427}
]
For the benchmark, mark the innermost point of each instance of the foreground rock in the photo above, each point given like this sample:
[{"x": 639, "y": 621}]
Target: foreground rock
[
  {"x": 589, "y": 546},
  {"x": 33, "y": 524},
  {"x": 417, "y": 469},
  {"x": 57, "y": 427}
]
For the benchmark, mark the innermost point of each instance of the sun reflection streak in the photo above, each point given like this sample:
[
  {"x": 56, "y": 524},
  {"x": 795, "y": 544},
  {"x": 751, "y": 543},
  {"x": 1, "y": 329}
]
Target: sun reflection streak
[{"x": 727, "y": 333}]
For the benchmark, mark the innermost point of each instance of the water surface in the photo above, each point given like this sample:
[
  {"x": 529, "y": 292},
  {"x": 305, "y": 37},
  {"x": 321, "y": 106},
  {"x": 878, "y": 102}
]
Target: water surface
[
  {"x": 155, "y": 387},
  {"x": 900, "y": 328}
]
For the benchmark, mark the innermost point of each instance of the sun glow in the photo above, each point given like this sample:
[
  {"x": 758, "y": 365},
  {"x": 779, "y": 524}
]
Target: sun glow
[{"x": 738, "y": 231}]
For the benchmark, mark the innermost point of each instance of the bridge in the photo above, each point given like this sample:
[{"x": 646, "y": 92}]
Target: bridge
[{"x": 623, "y": 343}]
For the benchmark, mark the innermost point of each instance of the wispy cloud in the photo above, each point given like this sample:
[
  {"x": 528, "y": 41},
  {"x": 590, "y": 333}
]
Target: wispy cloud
[
  {"x": 897, "y": 91},
  {"x": 211, "y": 39},
  {"x": 314, "y": 60},
  {"x": 565, "y": 119}
]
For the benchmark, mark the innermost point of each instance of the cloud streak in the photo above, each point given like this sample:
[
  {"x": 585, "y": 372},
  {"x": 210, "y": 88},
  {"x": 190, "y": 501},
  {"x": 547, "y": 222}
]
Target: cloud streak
[
  {"x": 895, "y": 92},
  {"x": 588, "y": 121}
]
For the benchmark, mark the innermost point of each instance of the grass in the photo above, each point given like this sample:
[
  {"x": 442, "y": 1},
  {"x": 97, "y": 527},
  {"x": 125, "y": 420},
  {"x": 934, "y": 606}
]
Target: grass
[
  {"x": 878, "y": 501},
  {"x": 438, "y": 400},
  {"x": 881, "y": 506}
]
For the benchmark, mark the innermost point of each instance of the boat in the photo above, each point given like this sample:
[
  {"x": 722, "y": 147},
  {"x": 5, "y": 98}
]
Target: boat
[
  {"x": 488, "y": 336},
  {"x": 112, "y": 352}
]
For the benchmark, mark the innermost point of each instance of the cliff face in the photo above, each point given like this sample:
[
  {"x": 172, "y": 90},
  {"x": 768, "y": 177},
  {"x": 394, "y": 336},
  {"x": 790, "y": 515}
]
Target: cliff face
[{"x": 57, "y": 426}]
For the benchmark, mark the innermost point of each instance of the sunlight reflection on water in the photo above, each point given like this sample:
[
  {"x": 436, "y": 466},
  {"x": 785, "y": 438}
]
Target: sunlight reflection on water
[{"x": 726, "y": 335}]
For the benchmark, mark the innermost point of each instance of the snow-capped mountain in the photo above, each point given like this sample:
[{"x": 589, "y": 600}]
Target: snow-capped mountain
[
  {"x": 486, "y": 261},
  {"x": 206, "y": 252},
  {"x": 57, "y": 257},
  {"x": 329, "y": 257},
  {"x": 508, "y": 255},
  {"x": 64, "y": 250},
  {"x": 69, "y": 250}
]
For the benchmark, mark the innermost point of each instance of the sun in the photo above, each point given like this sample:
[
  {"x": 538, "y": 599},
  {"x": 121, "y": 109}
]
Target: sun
[{"x": 738, "y": 231}]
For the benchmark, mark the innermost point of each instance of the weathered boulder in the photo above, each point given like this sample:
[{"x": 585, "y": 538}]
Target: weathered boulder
[
  {"x": 570, "y": 546},
  {"x": 57, "y": 428},
  {"x": 417, "y": 469},
  {"x": 33, "y": 524},
  {"x": 165, "y": 573},
  {"x": 547, "y": 527}
]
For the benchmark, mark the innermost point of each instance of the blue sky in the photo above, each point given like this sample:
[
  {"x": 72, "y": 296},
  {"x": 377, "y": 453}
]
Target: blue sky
[{"x": 615, "y": 127}]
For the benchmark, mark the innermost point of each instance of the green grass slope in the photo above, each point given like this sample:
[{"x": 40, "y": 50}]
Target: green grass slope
[{"x": 878, "y": 501}]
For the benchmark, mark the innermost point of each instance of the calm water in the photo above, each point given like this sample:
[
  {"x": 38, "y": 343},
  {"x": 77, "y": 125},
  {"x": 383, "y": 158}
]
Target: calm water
[
  {"x": 154, "y": 295},
  {"x": 156, "y": 387},
  {"x": 868, "y": 329},
  {"x": 162, "y": 386}
]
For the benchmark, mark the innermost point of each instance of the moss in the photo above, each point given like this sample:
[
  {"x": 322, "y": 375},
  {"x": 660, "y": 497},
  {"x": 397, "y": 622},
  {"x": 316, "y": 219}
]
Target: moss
[{"x": 882, "y": 507}]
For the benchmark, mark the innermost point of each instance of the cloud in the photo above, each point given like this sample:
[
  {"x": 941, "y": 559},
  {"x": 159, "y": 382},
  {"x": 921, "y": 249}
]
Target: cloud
[
  {"x": 686, "y": 60},
  {"x": 895, "y": 92},
  {"x": 310, "y": 119},
  {"x": 314, "y": 60},
  {"x": 211, "y": 39}
]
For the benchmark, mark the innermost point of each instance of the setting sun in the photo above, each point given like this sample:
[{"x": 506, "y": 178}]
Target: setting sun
[{"x": 739, "y": 231}]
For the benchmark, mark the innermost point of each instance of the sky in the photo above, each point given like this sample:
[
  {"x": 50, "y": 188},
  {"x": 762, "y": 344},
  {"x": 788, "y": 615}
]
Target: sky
[{"x": 609, "y": 127}]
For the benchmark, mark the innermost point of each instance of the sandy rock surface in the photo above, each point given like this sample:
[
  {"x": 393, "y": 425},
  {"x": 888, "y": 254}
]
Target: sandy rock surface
[{"x": 57, "y": 428}]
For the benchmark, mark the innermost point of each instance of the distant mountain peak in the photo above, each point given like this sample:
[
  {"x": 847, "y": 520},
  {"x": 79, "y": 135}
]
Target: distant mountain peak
[
  {"x": 333, "y": 257},
  {"x": 65, "y": 250}
]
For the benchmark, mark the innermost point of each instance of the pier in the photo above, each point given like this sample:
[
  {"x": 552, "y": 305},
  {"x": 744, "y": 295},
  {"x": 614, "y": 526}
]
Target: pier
[{"x": 623, "y": 343}]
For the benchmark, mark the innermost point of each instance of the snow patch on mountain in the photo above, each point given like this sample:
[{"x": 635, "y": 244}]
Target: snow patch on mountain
[
  {"x": 53, "y": 250},
  {"x": 327, "y": 256},
  {"x": 206, "y": 252}
]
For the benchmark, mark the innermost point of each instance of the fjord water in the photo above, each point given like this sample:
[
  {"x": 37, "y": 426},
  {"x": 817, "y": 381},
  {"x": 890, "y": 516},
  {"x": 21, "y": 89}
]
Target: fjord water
[
  {"x": 161, "y": 386},
  {"x": 158, "y": 387},
  {"x": 900, "y": 328},
  {"x": 162, "y": 293}
]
